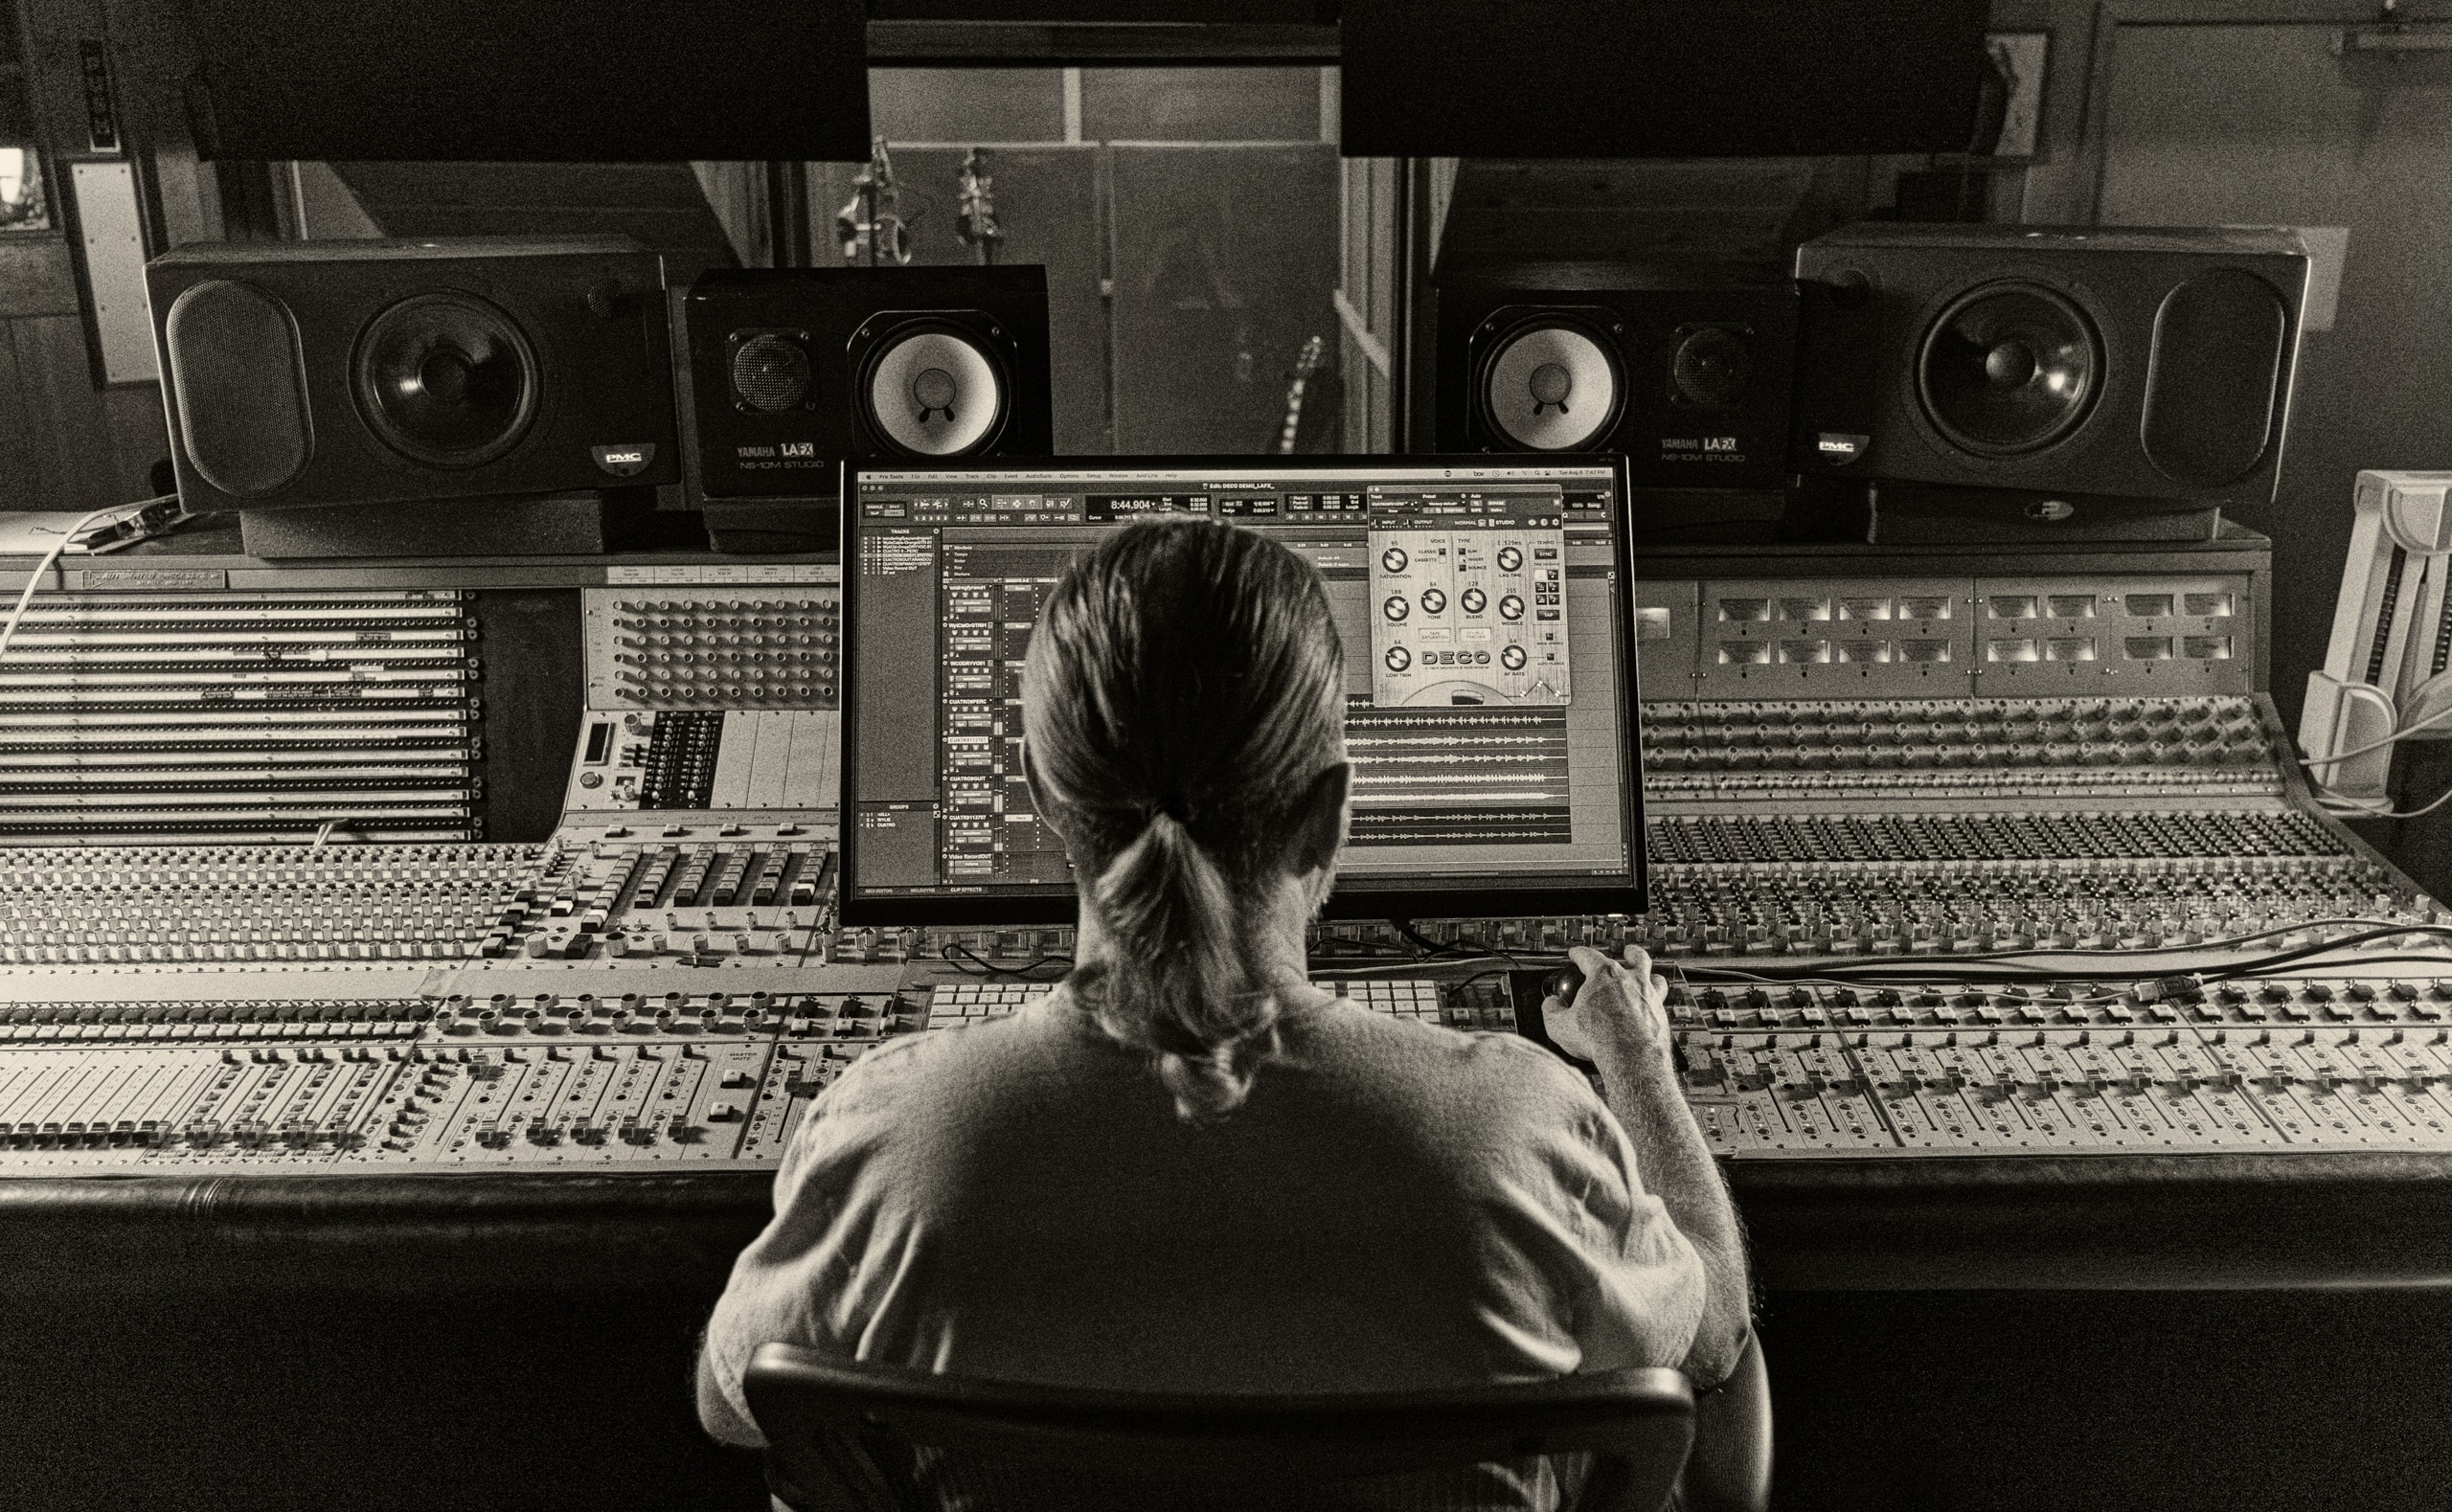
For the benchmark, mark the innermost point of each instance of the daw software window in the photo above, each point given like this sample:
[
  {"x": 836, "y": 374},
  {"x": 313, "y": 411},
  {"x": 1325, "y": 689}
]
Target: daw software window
[{"x": 1488, "y": 695}]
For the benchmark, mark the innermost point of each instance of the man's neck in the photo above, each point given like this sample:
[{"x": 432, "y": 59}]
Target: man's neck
[{"x": 1272, "y": 927}]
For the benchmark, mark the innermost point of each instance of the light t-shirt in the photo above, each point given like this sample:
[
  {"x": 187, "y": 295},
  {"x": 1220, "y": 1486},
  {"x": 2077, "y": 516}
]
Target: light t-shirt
[{"x": 1397, "y": 1207}]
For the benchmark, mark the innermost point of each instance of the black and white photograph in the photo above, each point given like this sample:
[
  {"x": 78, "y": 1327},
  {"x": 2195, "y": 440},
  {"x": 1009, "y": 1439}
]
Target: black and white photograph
[{"x": 1225, "y": 755}]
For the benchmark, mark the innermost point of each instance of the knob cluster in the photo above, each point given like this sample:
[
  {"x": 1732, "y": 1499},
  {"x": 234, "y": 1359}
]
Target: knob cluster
[
  {"x": 727, "y": 653},
  {"x": 2058, "y": 733}
]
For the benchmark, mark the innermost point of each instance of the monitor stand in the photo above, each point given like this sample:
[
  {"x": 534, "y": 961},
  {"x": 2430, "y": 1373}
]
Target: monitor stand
[{"x": 518, "y": 524}]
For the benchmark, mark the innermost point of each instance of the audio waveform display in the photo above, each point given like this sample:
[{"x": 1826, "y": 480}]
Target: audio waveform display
[{"x": 1467, "y": 777}]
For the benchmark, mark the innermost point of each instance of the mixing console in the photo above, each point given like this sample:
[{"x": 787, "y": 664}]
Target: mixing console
[
  {"x": 247, "y": 715},
  {"x": 709, "y": 703},
  {"x": 447, "y": 1081},
  {"x": 220, "y": 903},
  {"x": 2044, "y": 635},
  {"x": 668, "y": 651},
  {"x": 2161, "y": 748},
  {"x": 1852, "y": 785}
]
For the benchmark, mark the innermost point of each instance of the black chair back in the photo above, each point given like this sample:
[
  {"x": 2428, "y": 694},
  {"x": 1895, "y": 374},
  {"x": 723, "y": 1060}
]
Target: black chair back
[{"x": 844, "y": 1437}]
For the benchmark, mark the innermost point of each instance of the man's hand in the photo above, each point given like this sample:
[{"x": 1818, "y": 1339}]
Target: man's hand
[
  {"x": 1620, "y": 1022},
  {"x": 1618, "y": 1009}
]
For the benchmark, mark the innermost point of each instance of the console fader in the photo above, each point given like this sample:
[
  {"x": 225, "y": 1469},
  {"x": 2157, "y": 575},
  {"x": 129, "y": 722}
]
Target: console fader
[{"x": 1853, "y": 783}]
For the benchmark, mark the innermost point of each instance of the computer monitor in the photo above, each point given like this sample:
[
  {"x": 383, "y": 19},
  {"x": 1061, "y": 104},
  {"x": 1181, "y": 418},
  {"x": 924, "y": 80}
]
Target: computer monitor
[{"x": 1486, "y": 605}]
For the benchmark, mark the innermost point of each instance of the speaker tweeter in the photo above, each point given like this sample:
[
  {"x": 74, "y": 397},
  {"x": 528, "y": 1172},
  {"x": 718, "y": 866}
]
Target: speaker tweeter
[{"x": 772, "y": 372}]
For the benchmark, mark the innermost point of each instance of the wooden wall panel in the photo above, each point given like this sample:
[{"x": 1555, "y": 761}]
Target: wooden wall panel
[
  {"x": 37, "y": 276},
  {"x": 62, "y": 408},
  {"x": 140, "y": 437},
  {"x": 1225, "y": 258},
  {"x": 55, "y": 69},
  {"x": 2260, "y": 125},
  {"x": 22, "y": 459}
]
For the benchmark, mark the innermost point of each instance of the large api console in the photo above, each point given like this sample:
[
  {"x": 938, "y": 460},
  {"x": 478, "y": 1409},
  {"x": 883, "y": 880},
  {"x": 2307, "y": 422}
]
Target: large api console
[{"x": 533, "y": 863}]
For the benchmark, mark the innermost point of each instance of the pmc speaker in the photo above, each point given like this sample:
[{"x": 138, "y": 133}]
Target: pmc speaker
[
  {"x": 2138, "y": 364},
  {"x": 792, "y": 370},
  {"x": 1686, "y": 371},
  {"x": 332, "y": 373}
]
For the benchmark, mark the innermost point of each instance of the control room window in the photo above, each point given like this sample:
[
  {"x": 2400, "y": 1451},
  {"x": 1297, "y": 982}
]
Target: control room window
[
  {"x": 24, "y": 203},
  {"x": 1190, "y": 220}
]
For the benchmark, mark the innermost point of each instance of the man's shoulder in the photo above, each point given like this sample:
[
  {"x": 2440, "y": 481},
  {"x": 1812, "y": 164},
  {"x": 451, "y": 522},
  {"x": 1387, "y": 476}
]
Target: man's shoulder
[
  {"x": 1499, "y": 1061},
  {"x": 988, "y": 1050}
]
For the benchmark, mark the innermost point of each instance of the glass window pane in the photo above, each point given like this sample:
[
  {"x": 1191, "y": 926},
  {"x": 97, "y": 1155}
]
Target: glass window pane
[{"x": 1201, "y": 104}]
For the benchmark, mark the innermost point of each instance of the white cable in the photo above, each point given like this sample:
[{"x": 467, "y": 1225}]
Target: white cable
[
  {"x": 33, "y": 579},
  {"x": 2396, "y": 736},
  {"x": 2348, "y": 808}
]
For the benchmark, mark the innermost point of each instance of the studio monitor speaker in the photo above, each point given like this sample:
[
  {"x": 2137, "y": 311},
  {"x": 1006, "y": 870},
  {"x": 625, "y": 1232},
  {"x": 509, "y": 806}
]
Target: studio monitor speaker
[
  {"x": 1687, "y": 371},
  {"x": 2129, "y": 363},
  {"x": 793, "y": 370},
  {"x": 336, "y": 372}
]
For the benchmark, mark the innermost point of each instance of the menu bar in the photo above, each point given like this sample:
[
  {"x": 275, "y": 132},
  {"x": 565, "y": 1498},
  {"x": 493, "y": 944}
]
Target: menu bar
[{"x": 1290, "y": 478}]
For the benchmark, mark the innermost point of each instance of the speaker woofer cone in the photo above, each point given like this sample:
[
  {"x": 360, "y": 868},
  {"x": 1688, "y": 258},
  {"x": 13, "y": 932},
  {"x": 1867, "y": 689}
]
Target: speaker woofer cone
[
  {"x": 2009, "y": 368},
  {"x": 1549, "y": 383},
  {"x": 445, "y": 379},
  {"x": 933, "y": 388}
]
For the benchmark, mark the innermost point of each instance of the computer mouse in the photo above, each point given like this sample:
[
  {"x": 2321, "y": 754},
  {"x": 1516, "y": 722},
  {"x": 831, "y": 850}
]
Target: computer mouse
[{"x": 1564, "y": 984}]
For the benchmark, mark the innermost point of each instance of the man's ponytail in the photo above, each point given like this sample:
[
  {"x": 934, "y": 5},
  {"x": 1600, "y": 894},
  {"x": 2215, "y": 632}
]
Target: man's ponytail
[
  {"x": 1179, "y": 986},
  {"x": 1184, "y": 689}
]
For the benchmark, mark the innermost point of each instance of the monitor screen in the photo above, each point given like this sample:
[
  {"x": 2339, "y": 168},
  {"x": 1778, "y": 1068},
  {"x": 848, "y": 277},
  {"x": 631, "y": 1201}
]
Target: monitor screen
[{"x": 1485, "y": 608}]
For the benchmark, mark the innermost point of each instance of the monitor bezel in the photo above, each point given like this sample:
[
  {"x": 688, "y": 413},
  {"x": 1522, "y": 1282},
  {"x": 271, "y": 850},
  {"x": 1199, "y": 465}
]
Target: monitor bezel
[{"x": 1352, "y": 898}]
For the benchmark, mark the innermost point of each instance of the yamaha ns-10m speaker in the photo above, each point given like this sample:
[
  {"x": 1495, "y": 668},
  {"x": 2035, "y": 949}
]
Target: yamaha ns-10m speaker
[
  {"x": 2107, "y": 363},
  {"x": 398, "y": 374},
  {"x": 1687, "y": 371},
  {"x": 791, "y": 371}
]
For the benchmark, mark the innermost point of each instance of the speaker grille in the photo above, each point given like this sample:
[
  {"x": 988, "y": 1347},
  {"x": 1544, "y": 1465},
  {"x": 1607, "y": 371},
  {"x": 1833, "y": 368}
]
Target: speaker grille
[
  {"x": 445, "y": 379},
  {"x": 1712, "y": 366},
  {"x": 239, "y": 382},
  {"x": 931, "y": 388},
  {"x": 2220, "y": 341},
  {"x": 1549, "y": 384},
  {"x": 770, "y": 370},
  {"x": 2009, "y": 368}
]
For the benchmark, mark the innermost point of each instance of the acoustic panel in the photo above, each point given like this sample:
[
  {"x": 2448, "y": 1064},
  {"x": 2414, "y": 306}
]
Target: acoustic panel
[
  {"x": 603, "y": 81},
  {"x": 1605, "y": 78}
]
